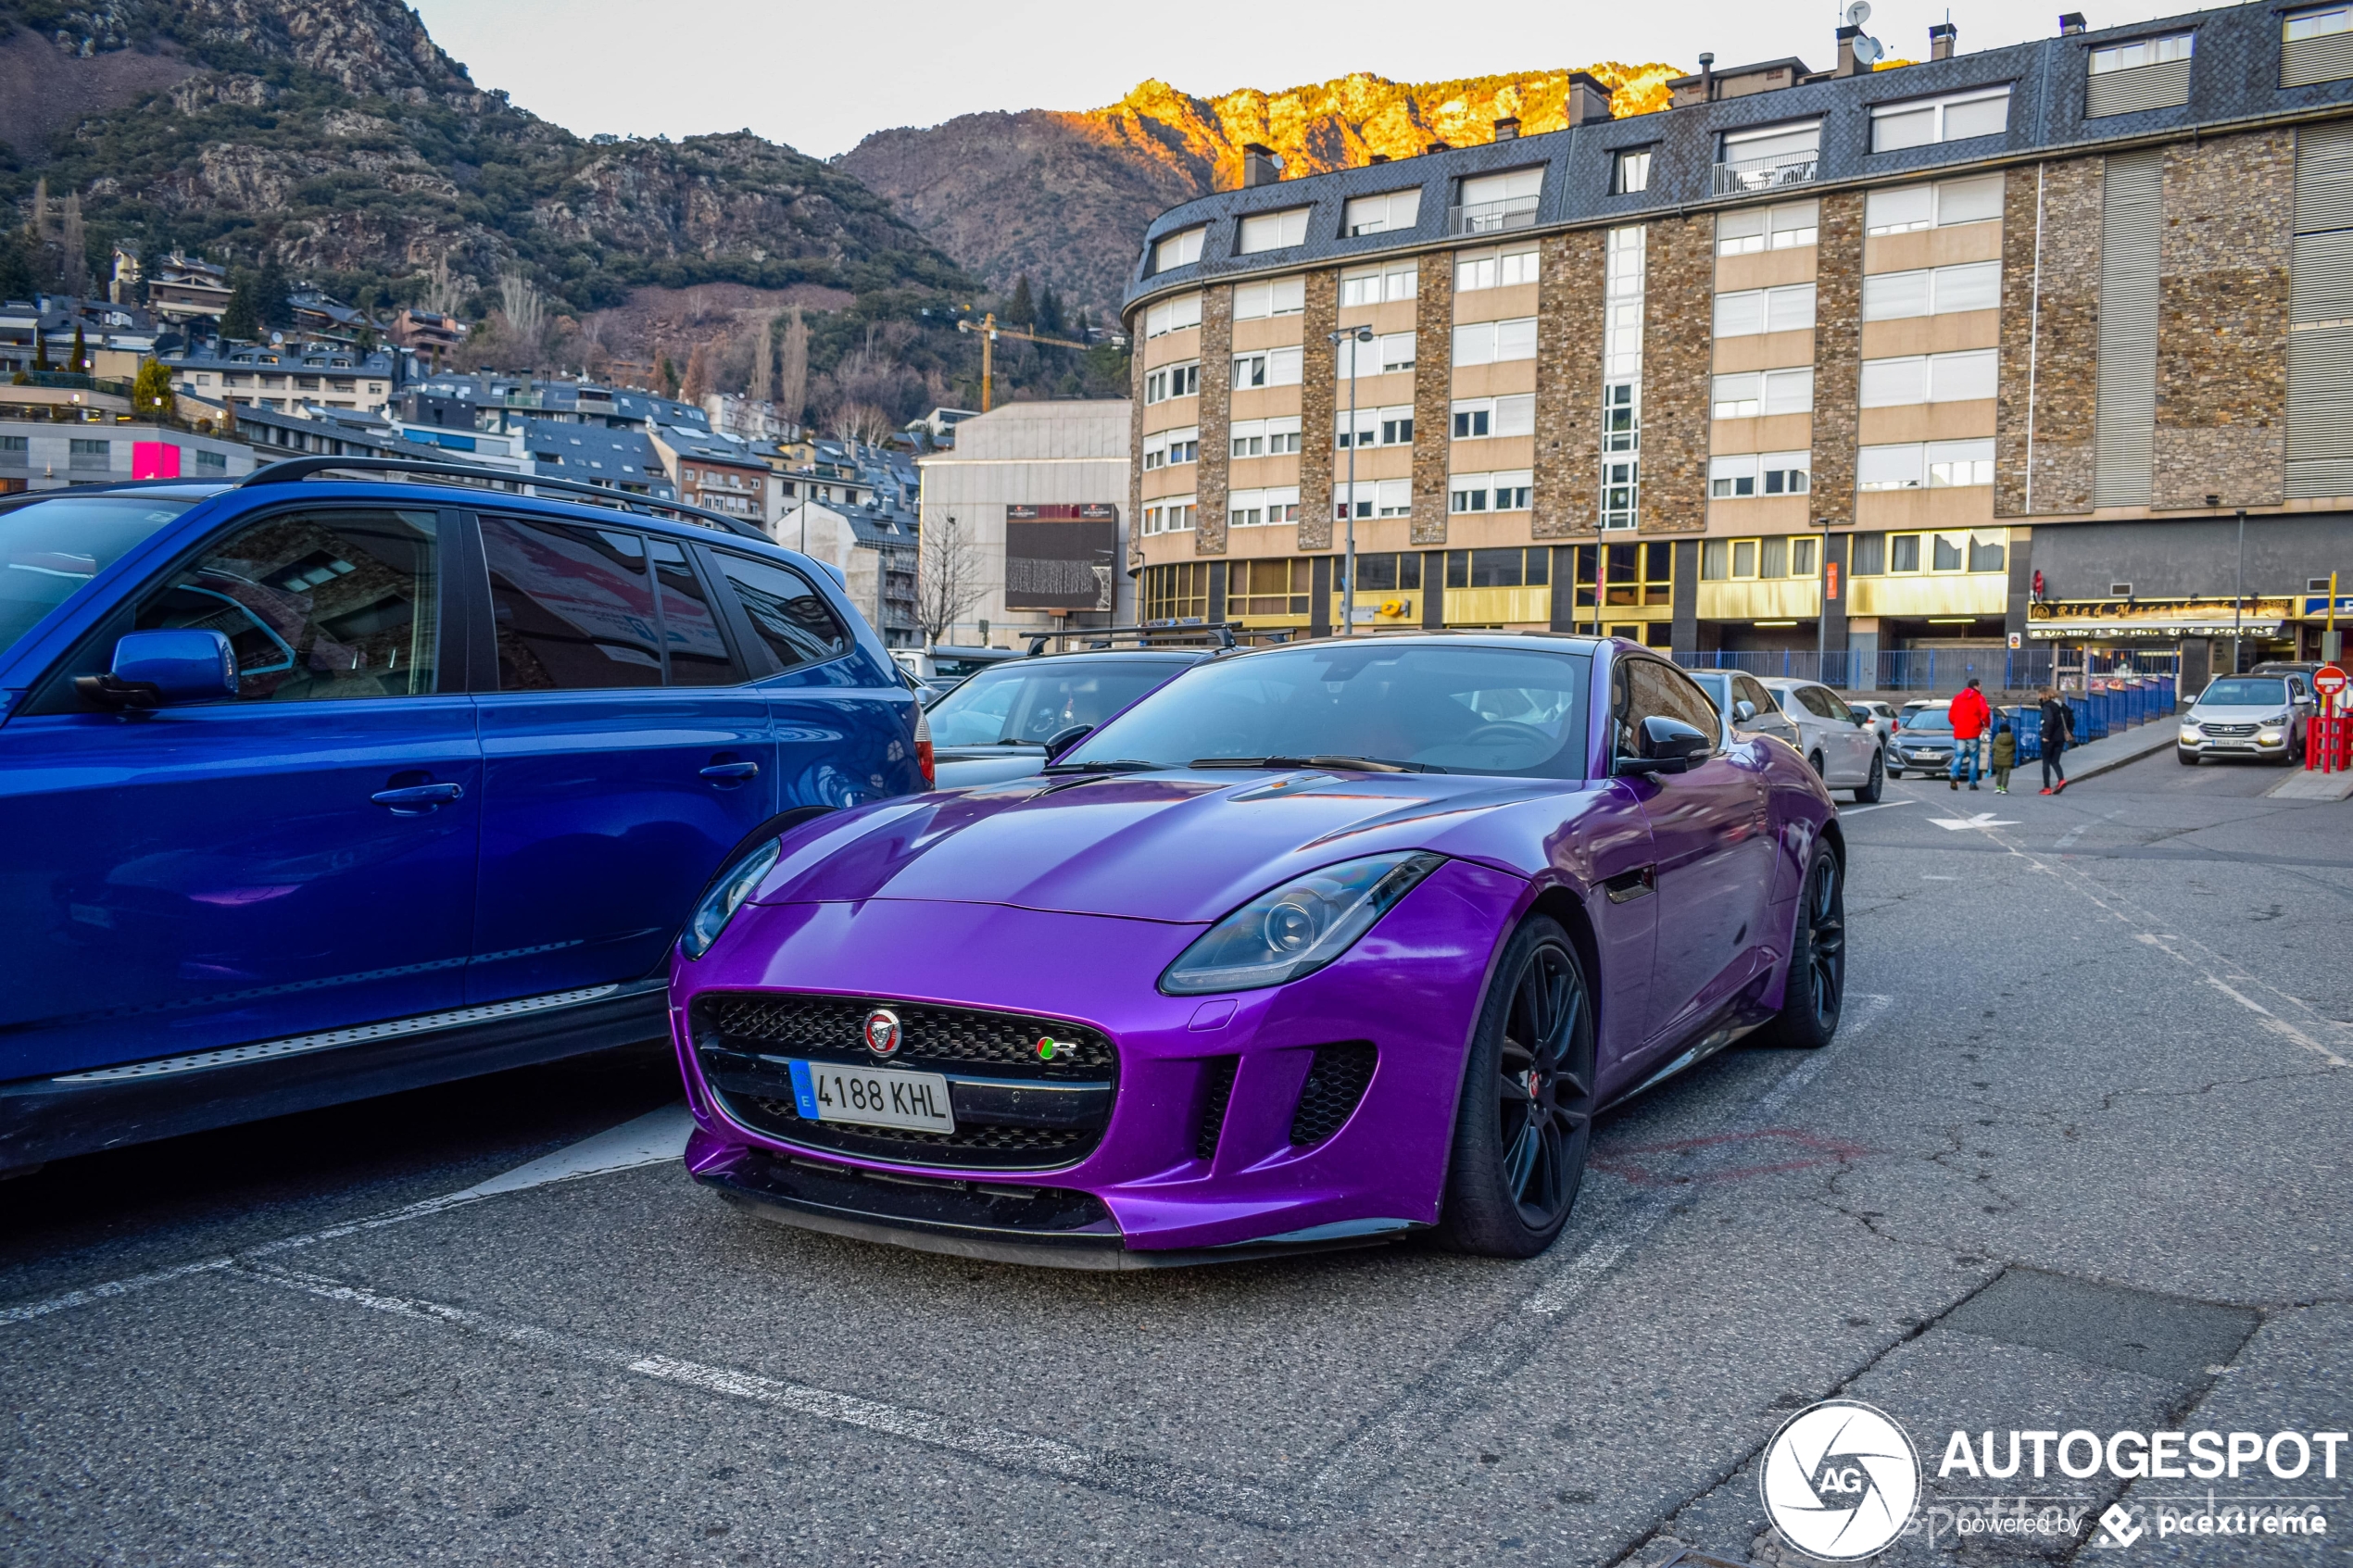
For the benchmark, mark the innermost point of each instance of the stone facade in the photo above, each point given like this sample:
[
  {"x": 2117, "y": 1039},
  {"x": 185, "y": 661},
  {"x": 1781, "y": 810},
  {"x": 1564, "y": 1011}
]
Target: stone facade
[
  {"x": 1433, "y": 396},
  {"x": 2050, "y": 337},
  {"x": 1318, "y": 409},
  {"x": 1217, "y": 417},
  {"x": 1569, "y": 384},
  {"x": 2223, "y": 315},
  {"x": 1838, "y": 354},
  {"x": 1135, "y": 469},
  {"x": 1679, "y": 289}
]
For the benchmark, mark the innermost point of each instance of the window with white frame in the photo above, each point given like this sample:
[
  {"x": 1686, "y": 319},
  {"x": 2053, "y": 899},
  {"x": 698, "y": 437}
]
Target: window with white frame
[
  {"x": 1170, "y": 514},
  {"x": 1178, "y": 250},
  {"x": 1382, "y": 214},
  {"x": 1931, "y": 464},
  {"x": 1748, "y": 394},
  {"x": 1625, "y": 270},
  {"x": 1501, "y": 201},
  {"x": 1272, "y": 231},
  {"x": 1927, "y": 377},
  {"x": 1510, "y": 491},
  {"x": 2142, "y": 51},
  {"x": 1932, "y": 291},
  {"x": 1390, "y": 426},
  {"x": 1940, "y": 206},
  {"x": 1265, "y": 438},
  {"x": 1751, "y": 474},
  {"x": 1477, "y": 417},
  {"x": 1924, "y": 123},
  {"x": 1382, "y": 356},
  {"x": 1173, "y": 315},
  {"x": 1490, "y": 343},
  {"x": 1384, "y": 497},
  {"x": 1629, "y": 171},
  {"x": 1279, "y": 296},
  {"x": 1773, "y": 143},
  {"x": 1375, "y": 285},
  {"x": 2316, "y": 24},
  {"x": 1263, "y": 508},
  {"x": 1767, "y": 228},
  {"x": 1165, "y": 448},
  {"x": 1181, "y": 380},
  {"x": 1749, "y": 311},
  {"x": 1495, "y": 268},
  {"x": 1267, "y": 367}
]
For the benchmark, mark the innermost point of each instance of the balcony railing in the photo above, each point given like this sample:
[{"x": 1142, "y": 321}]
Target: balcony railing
[
  {"x": 1767, "y": 174},
  {"x": 1492, "y": 217}
]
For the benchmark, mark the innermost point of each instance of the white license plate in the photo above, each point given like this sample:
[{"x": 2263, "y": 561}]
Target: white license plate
[{"x": 872, "y": 1097}]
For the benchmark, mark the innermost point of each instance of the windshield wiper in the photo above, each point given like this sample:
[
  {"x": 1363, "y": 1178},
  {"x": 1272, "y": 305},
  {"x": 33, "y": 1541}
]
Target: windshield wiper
[
  {"x": 1361, "y": 764},
  {"x": 1117, "y": 765}
]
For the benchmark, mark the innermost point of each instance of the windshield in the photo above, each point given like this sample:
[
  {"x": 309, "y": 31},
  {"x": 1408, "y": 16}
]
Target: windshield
[
  {"x": 1933, "y": 721},
  {"x": 51, "y": 548},
  {"x": 1456, "y": 709},
  {"x": 2246, "y": 691},
  {"x": 1018, "y": 703}
]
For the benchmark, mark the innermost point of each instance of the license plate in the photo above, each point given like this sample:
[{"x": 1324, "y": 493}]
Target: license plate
[{"x": 872, "y": 1097}]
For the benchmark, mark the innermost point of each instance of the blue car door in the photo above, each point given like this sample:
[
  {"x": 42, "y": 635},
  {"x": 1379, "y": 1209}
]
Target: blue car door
[
  {"x": 296, "y": 860},
  {"x": 624, "y": 754}
]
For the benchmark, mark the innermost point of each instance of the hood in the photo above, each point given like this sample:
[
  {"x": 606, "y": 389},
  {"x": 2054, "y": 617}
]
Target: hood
[
  {"x": 1178, "y": 847},
  {"x": 2237, "y": 712}
]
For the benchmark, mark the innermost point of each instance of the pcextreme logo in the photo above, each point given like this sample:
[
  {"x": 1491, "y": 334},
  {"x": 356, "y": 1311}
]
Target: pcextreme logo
[{"x": 1840, "y": 1480}]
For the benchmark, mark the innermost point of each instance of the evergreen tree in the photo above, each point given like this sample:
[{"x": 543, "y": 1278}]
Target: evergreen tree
[
  {"x": 80, "y": 363},
  {"x": 241, "y": 318},
  {"x": 271, "y": 289},
  {"x": 16, "y": 270},
  {"x": 1049, "y": 313},
  {"x": 151, "y": 393},
  {"x": 40, "y": 350},
  {"x": 1020, "y": 311}
]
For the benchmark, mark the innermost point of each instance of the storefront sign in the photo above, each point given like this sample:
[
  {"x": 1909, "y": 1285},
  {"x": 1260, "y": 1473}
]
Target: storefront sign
[
  {"x": 2155, "y": 620},
  {"x": 1060, "y": 557}
]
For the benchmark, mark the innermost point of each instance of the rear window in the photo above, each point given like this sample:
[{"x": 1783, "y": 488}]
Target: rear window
[
  {"x": 49, "y": 549},
  {"x": 1017, "y": 703}
]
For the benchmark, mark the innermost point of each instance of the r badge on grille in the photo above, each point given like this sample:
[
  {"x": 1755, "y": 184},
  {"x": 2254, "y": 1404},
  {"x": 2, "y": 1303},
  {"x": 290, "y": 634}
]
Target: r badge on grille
[{"x": 882, "y": 1032}]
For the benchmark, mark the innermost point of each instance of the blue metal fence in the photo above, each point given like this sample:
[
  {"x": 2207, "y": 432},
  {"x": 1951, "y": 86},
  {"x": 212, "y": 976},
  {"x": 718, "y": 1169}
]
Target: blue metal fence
[
  {"x": 2123, "y": 704},
  {"x": 1929, "y": 672}
]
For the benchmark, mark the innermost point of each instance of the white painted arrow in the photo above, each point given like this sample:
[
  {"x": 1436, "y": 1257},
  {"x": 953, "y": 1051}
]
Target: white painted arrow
[{"x": 1982, "y": 820}]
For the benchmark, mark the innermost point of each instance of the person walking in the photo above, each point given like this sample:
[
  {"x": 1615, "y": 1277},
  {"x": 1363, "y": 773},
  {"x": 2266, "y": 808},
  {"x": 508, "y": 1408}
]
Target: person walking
[
  {"x": 2005, "y": 755},
  {"x": 1970, "y": 717},
  {"x": 2058, "y": 733}
]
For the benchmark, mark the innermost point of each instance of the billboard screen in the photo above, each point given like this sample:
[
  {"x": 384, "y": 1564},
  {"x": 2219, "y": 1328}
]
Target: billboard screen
[{"x": 1060, "y": 558}]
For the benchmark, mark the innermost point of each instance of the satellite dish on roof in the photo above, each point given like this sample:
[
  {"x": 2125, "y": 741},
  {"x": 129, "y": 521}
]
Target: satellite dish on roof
[
  {"x": 1859, "y": 13},
  {"x": 1868, "y": 50}
]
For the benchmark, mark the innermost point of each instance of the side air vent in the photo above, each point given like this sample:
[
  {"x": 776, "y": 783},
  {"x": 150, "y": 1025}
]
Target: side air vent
[
  {"x": 1335, "y": 1084},
  {"x": 1218, "y": 1082}
]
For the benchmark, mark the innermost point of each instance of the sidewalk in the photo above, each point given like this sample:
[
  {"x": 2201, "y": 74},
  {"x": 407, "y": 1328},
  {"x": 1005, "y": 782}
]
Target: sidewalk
[{"x": 2304, "y": 785}]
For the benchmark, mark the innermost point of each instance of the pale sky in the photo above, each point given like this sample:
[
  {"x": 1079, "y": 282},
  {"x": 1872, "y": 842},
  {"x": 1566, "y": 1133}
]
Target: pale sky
[{"x": 820, "y": 78}]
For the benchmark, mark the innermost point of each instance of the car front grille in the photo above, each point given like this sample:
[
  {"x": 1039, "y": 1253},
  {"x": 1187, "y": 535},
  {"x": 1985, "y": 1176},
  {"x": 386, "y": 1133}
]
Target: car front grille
[
  {"x": 1336, "y": 1083},
  {"x": 744, "y": 1040},
  {"x": 2228, "y": 732},
  {"x": 1218, "y": 1076}
]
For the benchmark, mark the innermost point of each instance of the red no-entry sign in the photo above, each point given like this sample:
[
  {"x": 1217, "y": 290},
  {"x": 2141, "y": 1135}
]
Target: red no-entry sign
[{"x": 2328, "y": 679}]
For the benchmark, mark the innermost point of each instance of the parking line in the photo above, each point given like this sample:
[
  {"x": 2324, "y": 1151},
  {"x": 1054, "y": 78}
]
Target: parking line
[{"x": 1865, "y": 810}]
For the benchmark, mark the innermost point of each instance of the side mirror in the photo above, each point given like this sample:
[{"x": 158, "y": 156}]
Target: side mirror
[
  {"x": 153, "y": 669},
  {"x": 1063, "y": 740},
  {"x": 1744, "y": 710},
  {"x": 1668, "y": 746}
]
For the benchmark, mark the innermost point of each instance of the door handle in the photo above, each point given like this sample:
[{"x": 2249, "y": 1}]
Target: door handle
[
  {"x": 730, "y": 770},
  {"x": 411, "y": 800}
]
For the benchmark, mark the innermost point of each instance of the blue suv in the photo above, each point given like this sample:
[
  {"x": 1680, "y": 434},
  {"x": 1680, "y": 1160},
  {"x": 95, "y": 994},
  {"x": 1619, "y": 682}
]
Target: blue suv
[{"x": 315, "y": 789}]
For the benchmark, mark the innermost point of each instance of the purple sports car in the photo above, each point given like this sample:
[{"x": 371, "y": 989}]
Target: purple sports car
[{"x": 1316, "y": 945}]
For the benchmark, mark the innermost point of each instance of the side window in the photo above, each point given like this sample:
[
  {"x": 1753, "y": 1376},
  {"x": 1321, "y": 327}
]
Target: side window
[
  {"x": 1651, "y": 689},
  {"x": 1745, "y": 689},
  {"x": 791, "y": 617},
  {"x": 699, "y": 653},
  {"x": 1819, "y": 701},
  {"x": 320, "y": 605},
  {"x": 573, "y": 605}
]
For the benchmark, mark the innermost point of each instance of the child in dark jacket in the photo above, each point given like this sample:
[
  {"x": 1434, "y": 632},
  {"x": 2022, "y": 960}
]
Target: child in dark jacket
[{"x": 2004, "y": 755}]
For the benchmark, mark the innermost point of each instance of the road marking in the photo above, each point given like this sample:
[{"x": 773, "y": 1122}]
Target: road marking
[
  {"x": 1884, "y": 804},
  {"x": 1982, "y": 820},
  {"x": 1926, "y": 877},
  {"x": 2072, "y": 835},
  {"x": 645, "y": 1140}
]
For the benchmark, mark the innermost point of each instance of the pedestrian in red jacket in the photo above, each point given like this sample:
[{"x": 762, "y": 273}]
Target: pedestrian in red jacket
[{"x": 1970, "y": 716}]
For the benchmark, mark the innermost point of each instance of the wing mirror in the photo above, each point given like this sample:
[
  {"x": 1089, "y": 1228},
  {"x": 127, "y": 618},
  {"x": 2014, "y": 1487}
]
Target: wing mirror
[
  {"x": 153, "y": 669},
  {"x": 1744, "y": 710},
  {"x": 1668, "y": 746},
  {"x": 1063, "y": 740}
]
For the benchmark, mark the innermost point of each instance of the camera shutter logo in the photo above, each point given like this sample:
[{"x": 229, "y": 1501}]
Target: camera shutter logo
[{"x": 1839, "y": 1481}]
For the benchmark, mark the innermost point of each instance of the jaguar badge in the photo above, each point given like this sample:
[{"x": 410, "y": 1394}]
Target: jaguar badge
[{"x": 882, "y": 1032}]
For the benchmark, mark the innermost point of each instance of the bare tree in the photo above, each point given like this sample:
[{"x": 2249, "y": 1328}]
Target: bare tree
[
  {"x": 441, "y": 294},
  {"x": 526, "y": 308},
  {"x": 763, "y": 363},
  {"x": 792, "y": 369},
  {"x": 946, "y": 580},
  {"x": 859, "y": 422}
]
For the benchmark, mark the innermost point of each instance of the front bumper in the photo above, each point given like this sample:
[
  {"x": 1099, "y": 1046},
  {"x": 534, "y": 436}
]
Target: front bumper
[
  {"x": 2265, "y": 741},
  {"x": 1198, "y": 1153}
]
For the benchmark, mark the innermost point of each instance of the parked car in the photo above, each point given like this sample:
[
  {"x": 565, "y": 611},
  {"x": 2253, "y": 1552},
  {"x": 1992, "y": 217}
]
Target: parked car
[
  {"x": 939, "y": 669},
  {"x": 319, "y": 788},
  {"x": 2244, "y": 716},
  {"x": 1924, "y": 738},
  {"x": 1321, "y": 945},
  {"x": 1844, "y": 753},
  {"x": 1883, "y": 720},
  {"x": 1748, "y": 709},
  {"x": 998, "y": 724}
]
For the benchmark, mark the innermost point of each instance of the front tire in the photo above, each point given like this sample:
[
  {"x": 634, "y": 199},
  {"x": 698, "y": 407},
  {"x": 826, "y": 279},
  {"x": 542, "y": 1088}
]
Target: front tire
[
  {"x": 1814, "y": 762},
  {"x": 1868, "y": 792},
  {"x": 1816, "y": 988},
  {"x": 1526, "y": 1116},
  {"x": 2186, "y": 757}
]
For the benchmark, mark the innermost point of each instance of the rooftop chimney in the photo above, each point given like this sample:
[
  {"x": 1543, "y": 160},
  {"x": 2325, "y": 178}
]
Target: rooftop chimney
[
  {"x": 1846, "y": 65},
  {"x": 1940, "y": 40},
  {"x": 1437, "y": 148},
  {"x": 1707, "y": 78},
  {"x": 2070, "y": 22},
  {"x": 1381, "y": 158},
  {"x": 1507, "y": 128},
  {"x": 1260, "y": 166},
  {"x": 1587, "y": 99}
]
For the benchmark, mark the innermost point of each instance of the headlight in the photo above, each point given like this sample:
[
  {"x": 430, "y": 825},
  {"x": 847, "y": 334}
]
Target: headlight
[
  {"x": 719, "y": 904},
  {"x": 2269, "y": 733},
  {"x": 2190, "y": 730},
  {"x": 1294, "y": 930}
]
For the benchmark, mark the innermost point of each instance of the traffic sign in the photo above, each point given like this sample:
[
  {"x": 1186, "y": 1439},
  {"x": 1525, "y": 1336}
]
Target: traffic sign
[{"x": 2328, "y": 679}]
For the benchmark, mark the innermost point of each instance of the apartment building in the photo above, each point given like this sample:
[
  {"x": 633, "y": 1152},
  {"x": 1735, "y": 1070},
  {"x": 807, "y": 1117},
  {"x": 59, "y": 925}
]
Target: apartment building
[{"x": 1994, "y": 347}]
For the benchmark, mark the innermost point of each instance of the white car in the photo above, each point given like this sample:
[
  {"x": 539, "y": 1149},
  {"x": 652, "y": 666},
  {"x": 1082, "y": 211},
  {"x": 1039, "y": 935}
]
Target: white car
[
  {"x": 1879, "y": 719},
  {"x": 1845, "y": 752},
  {"x": 2244, "y": 716}
]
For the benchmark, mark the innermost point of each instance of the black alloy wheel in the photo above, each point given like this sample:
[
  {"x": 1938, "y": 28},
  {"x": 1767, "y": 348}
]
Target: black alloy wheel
[
  {"x": 1817, "y": 991},
  {"x": 1868, "y": 792},
  {"x": 1526, "y": 1119}
]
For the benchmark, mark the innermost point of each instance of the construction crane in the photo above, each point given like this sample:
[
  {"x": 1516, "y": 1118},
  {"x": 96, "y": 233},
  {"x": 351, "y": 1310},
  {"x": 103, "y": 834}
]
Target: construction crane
[{"x": 989, "y": 332}]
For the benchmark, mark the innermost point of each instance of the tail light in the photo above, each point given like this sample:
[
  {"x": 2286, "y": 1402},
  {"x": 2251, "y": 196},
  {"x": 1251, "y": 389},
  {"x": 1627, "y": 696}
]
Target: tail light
[{"x": 922, "y": 748}]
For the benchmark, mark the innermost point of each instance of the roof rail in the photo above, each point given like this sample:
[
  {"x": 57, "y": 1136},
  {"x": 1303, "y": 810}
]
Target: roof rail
[
  {"x": 1220, "y": 635},
  {"x": 294, "y": 469}
]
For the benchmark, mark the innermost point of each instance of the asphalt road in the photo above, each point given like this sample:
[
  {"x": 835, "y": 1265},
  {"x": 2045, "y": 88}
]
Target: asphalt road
[{"x": 2077, "y": 1159}]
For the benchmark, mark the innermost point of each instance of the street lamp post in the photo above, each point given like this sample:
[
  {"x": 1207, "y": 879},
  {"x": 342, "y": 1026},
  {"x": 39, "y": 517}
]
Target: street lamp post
[
  {"x": 2238, "y": 594},
  {"x": 1358, "y": 337}
]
